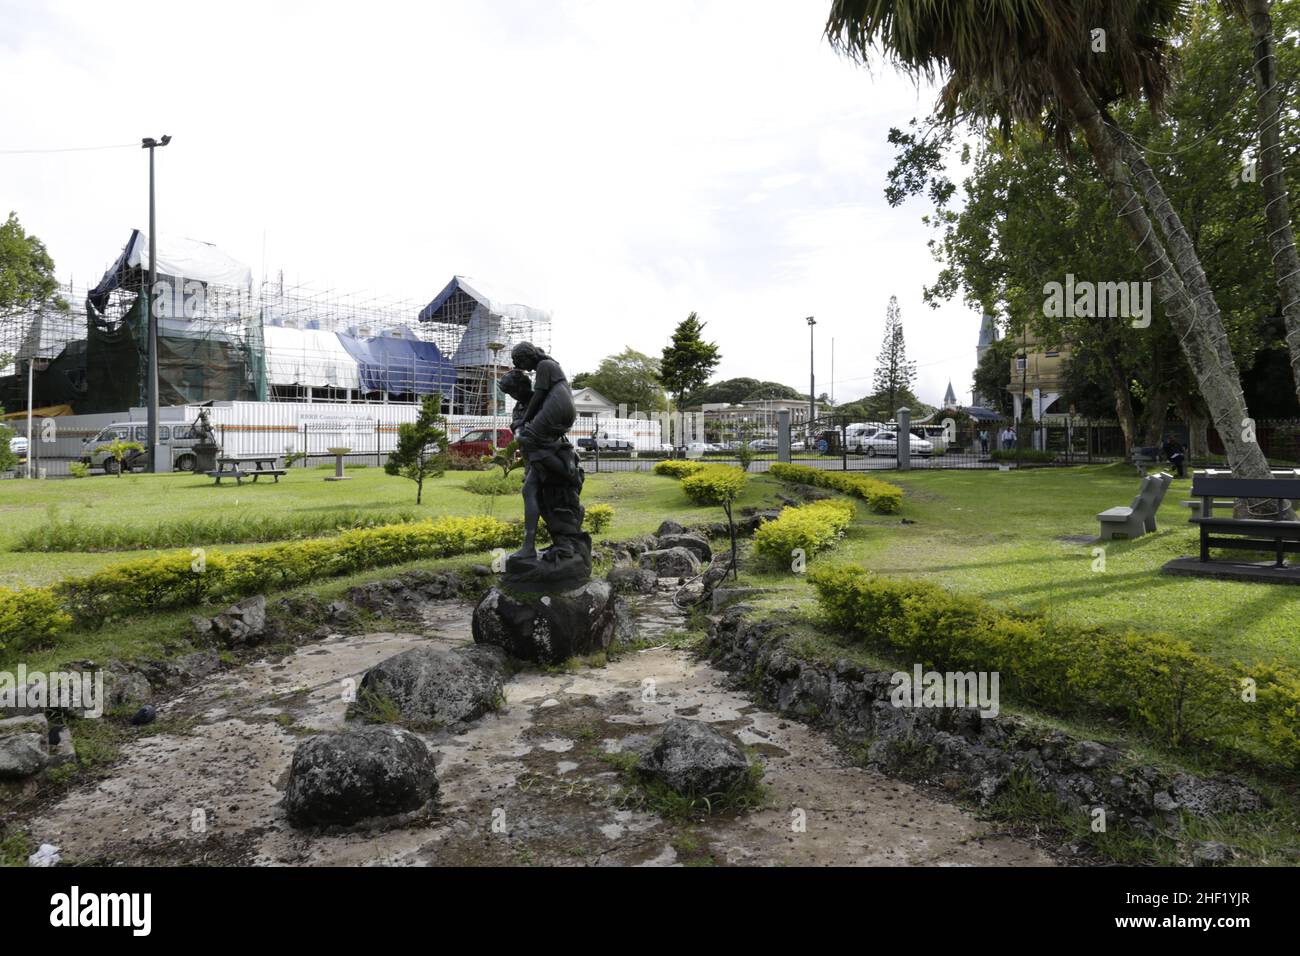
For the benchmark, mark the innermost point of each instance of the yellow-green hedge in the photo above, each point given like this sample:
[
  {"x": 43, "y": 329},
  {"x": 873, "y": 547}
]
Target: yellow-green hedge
[
  {"x": 678, "y": 467},
  {"x": 598, "y": 518},
  {"x": 29, "y": 616},
  {"x": 194, "y": 578},
  {"x": 809, "y": 528},
  {"x": 714, "y": 484},
  {"x": 1155, "y": 680},
  {"x": 879, "y": 495}
]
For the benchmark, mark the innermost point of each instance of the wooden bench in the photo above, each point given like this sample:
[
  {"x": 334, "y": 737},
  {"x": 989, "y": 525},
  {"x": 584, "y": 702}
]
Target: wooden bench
[
  {"x": 237, "y": 468},
  {"x": 1247, "y": 534},
  {"x": 1139, "y": 517}
]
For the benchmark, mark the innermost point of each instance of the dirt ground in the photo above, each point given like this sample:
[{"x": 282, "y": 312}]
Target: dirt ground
[{"x": 535, "y": 784}]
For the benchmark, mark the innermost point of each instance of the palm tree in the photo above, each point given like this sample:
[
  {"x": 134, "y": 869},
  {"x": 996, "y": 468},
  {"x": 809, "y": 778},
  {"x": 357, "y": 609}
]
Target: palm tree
[
  {"x": 1057, "y": 65},
  {"x": 1277, "y": 205}
]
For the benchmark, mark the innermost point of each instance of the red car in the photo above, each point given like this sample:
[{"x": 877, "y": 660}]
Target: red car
[{"x": 481, "y": 441}]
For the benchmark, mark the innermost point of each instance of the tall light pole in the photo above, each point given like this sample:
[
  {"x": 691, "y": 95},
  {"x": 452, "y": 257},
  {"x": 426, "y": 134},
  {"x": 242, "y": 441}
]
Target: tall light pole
[
  {"x": 151, "y": 376},
  {"x": 812, "y": 377},
  {"x": 494, "y": 348}
]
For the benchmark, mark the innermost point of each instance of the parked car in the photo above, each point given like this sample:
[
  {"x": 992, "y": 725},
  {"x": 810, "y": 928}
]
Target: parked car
[
  {"x": 605, "y": 443},
  {"x": 885, "y": 442},
  {"x": 702, "y": 448},
  {"x": 178, "y": 439},
  {"x": 763, "y": 444},
  {"x": 18, "y": 445},
  {"x": 481, "y": 441}
]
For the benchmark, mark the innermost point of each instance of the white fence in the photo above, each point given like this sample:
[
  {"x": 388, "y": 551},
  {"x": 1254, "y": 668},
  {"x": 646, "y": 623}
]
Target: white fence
[{"x": 281, "y": 428}]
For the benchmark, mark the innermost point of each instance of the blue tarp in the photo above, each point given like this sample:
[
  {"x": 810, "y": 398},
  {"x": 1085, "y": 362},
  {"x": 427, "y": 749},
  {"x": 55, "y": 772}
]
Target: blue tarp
[{"x": 400, "y": 365}]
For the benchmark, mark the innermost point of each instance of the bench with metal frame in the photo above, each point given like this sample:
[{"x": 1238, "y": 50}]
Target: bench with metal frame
[{"x": 1247, "y": 534}]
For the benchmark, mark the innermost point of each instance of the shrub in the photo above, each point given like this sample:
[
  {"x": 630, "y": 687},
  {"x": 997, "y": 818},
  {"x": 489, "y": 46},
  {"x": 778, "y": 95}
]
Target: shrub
[
  {"x": 880, "y": 496},
  {"x": 496, "y": 484},
  {"x": 78, "y": 469},
  {"x": 29, "y": 617},
  {"x": 1024, "y": 454},
  {"x": 1156, "y": 681},
  {"x": 459, "y": 460},
  {"x": 598, "y": 518},
  {"x": 714, "y": 484},
  {"x": 193, "y": 578},
  {"x": 809, "y": 528},
  {"x": 678, "y": 467}
]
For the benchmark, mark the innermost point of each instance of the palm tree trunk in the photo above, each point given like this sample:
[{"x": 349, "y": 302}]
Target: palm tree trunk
[
  {"x": 1277, "y": 206},
  {"x": 1197, "y": 322}
]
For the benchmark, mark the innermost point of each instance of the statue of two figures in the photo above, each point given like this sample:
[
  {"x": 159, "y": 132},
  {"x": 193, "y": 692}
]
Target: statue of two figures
[{"x": 543, "y": 414}]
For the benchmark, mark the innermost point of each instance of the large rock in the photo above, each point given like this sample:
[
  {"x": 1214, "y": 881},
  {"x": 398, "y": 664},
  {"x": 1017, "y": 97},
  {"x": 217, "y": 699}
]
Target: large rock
[
  {"x": 626, "y": 580},
  {"x": 439, "y": 685},
  {"x": 548, "y": 628},
  {"x": 671, "y": 563},
  {"x": 339, "y": 779},
  {"x": 24, "y": 746},
  {"x": 242, "y": 623},
  {"x": 669, "y": 526},
  {"x": 697, "y": 544},
  {"x": 694, "y": 759}
]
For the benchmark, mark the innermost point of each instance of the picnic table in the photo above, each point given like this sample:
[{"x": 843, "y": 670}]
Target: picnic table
[{"x": 240, "y": 467}]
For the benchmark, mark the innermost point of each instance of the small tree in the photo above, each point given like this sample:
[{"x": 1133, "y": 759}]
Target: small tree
[
  {"x": 421, "y": 446},
  {"x": 688, "y": 360},
  {"x": 894, "y": 373},
  {"x": 744, "y": 453},
  {"x": 119, "y": 451}
]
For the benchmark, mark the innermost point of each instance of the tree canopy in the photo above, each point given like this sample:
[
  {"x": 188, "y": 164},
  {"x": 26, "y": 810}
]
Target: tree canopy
[
  {"x": 26, "y": 270},
  {"x": 629, "y": 378}
]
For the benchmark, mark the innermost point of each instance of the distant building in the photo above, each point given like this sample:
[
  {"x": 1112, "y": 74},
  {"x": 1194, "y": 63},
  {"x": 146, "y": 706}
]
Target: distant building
[
  {"x": 950, "y": 397},
  {"x": 1037, "y": 376},
  {"x": 591, "y": 404},
  {"x": 988, "y": 335},
  {"x": 761, "y": 410}
]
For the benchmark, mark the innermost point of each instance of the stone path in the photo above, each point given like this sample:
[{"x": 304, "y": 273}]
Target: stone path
[{"x": 534, "y": 784}]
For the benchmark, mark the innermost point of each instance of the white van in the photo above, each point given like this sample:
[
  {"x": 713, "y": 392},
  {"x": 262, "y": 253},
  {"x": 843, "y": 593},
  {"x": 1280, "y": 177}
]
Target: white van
[{"x": 178, "y": 438}]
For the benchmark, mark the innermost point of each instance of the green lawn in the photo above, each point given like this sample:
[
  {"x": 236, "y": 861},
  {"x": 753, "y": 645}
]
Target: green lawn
[
  {"x": 1019, "y": 538},
  {"x": 1026, "y": 539}
]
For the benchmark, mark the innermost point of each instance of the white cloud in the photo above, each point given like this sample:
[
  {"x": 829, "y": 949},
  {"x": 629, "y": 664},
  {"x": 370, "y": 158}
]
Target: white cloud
[{"x": 624, "y": 164}]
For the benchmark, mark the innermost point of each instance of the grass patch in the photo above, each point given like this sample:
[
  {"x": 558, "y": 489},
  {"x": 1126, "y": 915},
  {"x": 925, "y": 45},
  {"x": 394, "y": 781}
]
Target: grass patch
[{"x": 67, "y": 534}]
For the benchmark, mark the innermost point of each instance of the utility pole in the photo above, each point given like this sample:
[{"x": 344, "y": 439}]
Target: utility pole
[
  {"x": 151, "y": 377},
  {"x": 812, "y": 377}
]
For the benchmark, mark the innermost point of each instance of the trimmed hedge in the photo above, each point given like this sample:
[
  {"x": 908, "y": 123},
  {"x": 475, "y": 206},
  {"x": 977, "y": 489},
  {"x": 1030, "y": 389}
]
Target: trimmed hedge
[
  {"x": 1031, "y": 455},
  {"x": 193, "y": 578},
  {"x": 810, "y": 528},
  {"x": 879, "y": 495},
  {"x": 496, "y": 483},
  {"x": 30, "y": 616},
  {"x": 678, "y": 467},
  {"x": 714, "y": 484},
  {"x": 1156, "y": 681}
]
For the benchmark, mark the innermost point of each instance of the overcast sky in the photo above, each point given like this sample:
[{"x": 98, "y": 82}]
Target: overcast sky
[{"x": 622, "y": 164}]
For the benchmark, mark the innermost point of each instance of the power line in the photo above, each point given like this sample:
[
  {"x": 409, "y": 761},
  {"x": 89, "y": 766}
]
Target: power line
[{"x": 69, "y": 149}]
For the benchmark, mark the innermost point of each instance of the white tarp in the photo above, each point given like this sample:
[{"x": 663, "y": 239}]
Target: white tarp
[
  {"x": 308, "y": 357},
  {"x": 190, "y": 259}
]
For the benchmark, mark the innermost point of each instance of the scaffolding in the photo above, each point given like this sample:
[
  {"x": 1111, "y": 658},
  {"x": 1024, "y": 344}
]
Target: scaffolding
[{"x": 222, "y": 339}]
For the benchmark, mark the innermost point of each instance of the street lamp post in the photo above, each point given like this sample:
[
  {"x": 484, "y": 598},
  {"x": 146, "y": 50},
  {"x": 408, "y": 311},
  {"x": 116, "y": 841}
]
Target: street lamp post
[
  {"x": 151, "y": 376},
  {"x": 494, "y": 348},
  {"x": 812, "y": 377}
]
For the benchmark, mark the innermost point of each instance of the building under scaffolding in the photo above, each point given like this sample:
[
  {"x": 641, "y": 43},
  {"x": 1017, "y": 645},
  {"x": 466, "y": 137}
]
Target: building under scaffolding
[{"x": 221, "y": 339}]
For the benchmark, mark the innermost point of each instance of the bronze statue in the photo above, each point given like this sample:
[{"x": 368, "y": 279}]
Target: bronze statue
[{"x": 543, "y": 414}]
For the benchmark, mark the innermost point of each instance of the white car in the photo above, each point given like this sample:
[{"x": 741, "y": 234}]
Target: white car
[
  {"x": 885, "y": 442},
  {"x": 18, "y": 445},
  {"x": 763, "y": 444}
]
